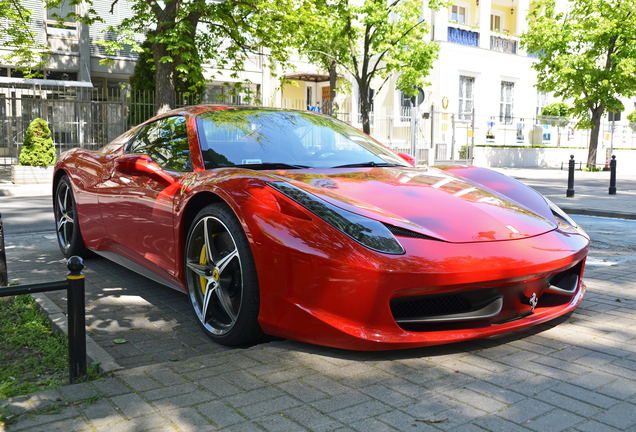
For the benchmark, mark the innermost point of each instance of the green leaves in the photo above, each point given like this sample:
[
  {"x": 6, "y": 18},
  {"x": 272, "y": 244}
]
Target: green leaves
[
  {"x": 586, "y": 53},
  {"x": 372, "y": 39}
]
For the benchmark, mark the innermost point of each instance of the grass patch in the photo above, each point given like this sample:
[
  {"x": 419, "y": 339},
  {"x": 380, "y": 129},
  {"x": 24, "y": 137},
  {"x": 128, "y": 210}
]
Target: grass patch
[{"x": 32, "y": 357}]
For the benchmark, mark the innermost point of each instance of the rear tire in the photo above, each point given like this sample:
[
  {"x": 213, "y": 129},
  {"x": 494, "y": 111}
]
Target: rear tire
[
  {"x": 221, "y": 277},
  {"x": 69, "y": 237}
]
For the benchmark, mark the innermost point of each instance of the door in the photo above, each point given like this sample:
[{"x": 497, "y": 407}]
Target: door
[{"x": 137, "y": 203}]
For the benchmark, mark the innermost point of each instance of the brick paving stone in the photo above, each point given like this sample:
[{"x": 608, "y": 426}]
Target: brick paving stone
[
  {"x": 402, "y": 421},
  {"x": 340, "y": 401},
  {"x": 594, "y": 426},
  {"x": 360, "y": 412},
  {"x": 279, "y": 423},
  {"x": 42, "y": 421},
  {"x": 525, "y": 410},
  {"x": 555, "y": 421},
  {"x": 569, "y": 404},
  {"x": 495, "y": 392},
  {"x": 188, "y": 419},
  {"x": 585, "y": 395},
  {"x": 219, "y": 386},
  {"x": 244, "y": 380},
  {"x": 497, "y": 424},
  {"x": 167, "y": 377},
  {"x": 621, "y": 416},
  {"x": 254, "y": 396},
  {"x": 75, "y": 424},
  {"x": 138, "y": 380},
  {"x": 312, "y": 419},
  {"x": 246, "y": 426},
  {"x": 277, "y": 405},
  {"x": 184, "y": 399},
  {"x": 301, "y": 391},
  {"x": 77, "y": 392},
  {"x": 175, "y": 390},
  {"x": 110, "y": 387},
  {"x": 220, "y": 414},
  {"x": 101, "y": 413},
  {"x": 132, "y": 405}
]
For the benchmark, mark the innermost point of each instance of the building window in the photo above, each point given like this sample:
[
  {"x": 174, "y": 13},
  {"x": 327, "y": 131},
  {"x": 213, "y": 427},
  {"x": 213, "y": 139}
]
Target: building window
[
  {"x": 458, "y": 14},
  {"x": 496, "y": 22},
  {"x": 466, "y": 97},
  {"x": 542, "y": 101},
  {"x": 506, "y": 104},
  {"x": 57, "y": 21}
]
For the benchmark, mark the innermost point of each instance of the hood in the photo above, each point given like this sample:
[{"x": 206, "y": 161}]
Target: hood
[{"x": 430, "y": 201}]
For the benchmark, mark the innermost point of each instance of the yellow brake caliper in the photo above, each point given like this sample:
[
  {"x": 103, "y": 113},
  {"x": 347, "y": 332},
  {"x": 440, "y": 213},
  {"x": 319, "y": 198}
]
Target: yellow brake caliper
[{"x": 203, "y": 260}]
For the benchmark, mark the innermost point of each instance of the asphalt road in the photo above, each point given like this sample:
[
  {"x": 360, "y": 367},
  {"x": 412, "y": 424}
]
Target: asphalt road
[{"x": 24, "y": 215}]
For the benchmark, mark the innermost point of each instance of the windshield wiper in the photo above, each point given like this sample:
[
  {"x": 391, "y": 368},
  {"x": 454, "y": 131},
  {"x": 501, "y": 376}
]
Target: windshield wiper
[
  {"x": 367, "y": 164},
  {"x": 271, "y": 165}
]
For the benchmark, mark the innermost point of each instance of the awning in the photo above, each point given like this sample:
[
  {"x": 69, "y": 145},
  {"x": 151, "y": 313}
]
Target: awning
[
  {"x": 309, "y": 76},
  {"x": 45, "y": 82}
]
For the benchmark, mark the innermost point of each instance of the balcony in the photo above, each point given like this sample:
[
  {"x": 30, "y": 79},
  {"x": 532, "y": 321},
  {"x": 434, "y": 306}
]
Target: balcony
[
  {"x": 503, "y": 44},
  {"x": 462, "y": 36}
]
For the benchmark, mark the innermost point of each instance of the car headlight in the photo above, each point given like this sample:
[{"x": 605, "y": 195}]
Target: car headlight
[
  {"x": 560, "y": 214},
  {"x": 368, "y": 232}
]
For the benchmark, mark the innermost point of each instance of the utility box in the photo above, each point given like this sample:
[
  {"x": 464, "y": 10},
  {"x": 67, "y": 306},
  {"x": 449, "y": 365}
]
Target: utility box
[{"x": 536, "y": 135}]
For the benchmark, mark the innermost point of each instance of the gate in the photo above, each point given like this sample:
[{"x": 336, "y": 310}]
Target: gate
[{"x": 78, "y": 114}]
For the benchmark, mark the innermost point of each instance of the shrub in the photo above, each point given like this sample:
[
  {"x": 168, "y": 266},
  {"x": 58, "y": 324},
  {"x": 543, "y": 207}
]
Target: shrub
[{"x": 37, "y": 148}]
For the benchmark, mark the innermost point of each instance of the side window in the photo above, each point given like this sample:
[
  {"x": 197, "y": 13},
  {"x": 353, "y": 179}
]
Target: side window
[{"x": 166, "y": 142}]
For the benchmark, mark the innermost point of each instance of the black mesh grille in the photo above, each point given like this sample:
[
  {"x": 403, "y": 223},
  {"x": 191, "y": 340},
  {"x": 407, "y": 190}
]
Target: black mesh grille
[
  {"x": 419, "y": 307},
  {"x": 407, "y": 233}
]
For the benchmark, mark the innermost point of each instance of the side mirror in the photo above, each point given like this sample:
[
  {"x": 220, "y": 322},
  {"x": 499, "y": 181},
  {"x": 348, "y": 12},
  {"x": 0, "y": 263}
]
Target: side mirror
[
  {"x": 410, "y": 159},
  {"x": 143, "y": 166}
]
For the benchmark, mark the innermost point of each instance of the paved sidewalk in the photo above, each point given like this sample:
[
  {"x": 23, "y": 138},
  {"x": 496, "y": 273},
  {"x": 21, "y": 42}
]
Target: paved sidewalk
[
  {"x": 574, "y": 373},
  {"x": 591, "y": 190}
]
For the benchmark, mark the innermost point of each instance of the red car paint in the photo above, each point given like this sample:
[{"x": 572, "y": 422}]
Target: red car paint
[{"x": 489, "y": 232}]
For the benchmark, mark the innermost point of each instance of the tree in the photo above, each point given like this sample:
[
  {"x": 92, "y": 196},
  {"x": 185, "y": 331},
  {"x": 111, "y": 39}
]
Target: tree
[
  {"x": 185, "y": 35},
  {"x": 557, "y": 114},
  {"x": 26, "y": 52},
  {"x": 37, "y": 148},
  {"x": 586, "y": 53},
  {"x": 376, "y": 38}
]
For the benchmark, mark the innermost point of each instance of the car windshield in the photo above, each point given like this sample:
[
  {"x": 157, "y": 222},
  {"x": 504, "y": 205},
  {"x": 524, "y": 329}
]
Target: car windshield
[{"x": 275, "y": 139}]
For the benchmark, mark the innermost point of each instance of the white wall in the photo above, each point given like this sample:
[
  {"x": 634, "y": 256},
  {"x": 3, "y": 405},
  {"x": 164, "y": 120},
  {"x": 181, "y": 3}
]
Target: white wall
[{"x": 548, "y": 158}]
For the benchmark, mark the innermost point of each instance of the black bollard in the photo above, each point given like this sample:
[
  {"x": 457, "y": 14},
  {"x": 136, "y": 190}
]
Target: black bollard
[
  {"x": 76, "y": 320},
  {"x": 4, "y": 276},
  {"x": 612, "y": 188},
  {"x": 570, "y": 192}
]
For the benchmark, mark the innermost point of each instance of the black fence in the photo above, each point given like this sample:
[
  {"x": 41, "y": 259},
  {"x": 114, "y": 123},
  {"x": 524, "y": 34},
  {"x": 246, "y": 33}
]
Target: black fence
[{"x": 74, "y": 286}]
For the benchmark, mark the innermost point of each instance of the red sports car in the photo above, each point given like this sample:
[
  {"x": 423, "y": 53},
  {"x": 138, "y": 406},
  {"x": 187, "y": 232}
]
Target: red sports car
[{"x": 297, "y": 225}]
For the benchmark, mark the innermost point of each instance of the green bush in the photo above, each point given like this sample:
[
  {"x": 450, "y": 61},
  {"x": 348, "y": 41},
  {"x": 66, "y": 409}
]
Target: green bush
[{"x": 37, "y": 148}]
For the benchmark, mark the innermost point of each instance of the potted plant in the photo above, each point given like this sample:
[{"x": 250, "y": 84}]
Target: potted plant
[{"x": 37, "y": 155}]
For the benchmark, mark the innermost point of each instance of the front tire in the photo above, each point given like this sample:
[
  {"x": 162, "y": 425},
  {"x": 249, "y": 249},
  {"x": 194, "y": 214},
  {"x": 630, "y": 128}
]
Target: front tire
[
  {"x": 69, "y": 237},
  {"x": 221, "y": 277}
]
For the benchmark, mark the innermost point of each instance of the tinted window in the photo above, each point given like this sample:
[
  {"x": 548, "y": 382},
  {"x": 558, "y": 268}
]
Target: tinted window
[
  {"x": 166, "y": 142},
  {"x": 261, "y": 136}
]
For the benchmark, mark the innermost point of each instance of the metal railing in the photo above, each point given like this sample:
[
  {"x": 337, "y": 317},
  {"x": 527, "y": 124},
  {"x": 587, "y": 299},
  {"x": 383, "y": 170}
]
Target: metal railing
[{"x": 74, "y": 286}]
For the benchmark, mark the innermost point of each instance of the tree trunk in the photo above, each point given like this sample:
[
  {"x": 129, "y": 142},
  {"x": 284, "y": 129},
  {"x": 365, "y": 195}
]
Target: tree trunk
[
  {"x": 165, "y": 78},
  {"x": 365, "y": 107},
  {"x": 596, "y": 128},
  {"x": 332, "y": 85}
]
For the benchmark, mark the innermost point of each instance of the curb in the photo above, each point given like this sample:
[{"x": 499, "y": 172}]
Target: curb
[
  {"x": 58, "y": 321},
  {"x": 599, "y": 213}
]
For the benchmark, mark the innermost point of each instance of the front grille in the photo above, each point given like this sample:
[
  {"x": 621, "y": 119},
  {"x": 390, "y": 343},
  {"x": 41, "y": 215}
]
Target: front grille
[{"x": 427, "y": 306}]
